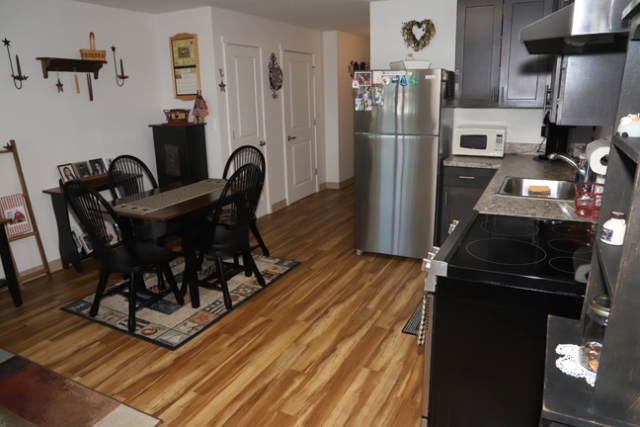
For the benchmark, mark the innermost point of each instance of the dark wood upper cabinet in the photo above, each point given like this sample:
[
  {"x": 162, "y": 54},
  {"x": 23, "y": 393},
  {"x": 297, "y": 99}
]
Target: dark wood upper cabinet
[{"x": 493, "y": 69}]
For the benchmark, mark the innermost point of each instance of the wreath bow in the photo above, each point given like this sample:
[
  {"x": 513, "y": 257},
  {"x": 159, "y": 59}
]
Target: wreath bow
[{"x": 410, "y": 39}]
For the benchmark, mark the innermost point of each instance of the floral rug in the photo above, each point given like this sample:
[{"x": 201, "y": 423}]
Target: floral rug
[
  {"x": 171, "y": 325},
  {"x": 33, "y": 396}
]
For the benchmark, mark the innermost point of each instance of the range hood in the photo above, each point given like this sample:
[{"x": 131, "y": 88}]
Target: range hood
[{"x": 585, "y": 26}]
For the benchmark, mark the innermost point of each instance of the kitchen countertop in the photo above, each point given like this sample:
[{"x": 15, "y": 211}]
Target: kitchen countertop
[{"x": 522, "y": 166}]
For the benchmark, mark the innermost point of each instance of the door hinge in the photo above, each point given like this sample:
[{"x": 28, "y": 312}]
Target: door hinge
[
  {"x": 314, "y": 122},
  {"x": 313, "y": 69},
  {"x": 233, "y": 132}
]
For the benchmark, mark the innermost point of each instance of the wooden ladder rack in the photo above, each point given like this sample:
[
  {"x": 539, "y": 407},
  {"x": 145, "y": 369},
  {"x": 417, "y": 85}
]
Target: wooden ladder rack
[{"x": 13, "y": 149}]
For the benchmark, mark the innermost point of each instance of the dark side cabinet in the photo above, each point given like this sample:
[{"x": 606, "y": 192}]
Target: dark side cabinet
[
  {"x": 461, "y": 190},
  {"x": 181, "y": 152}
]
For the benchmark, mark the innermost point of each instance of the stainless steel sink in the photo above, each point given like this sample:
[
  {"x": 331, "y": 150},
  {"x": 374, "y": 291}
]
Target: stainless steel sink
[{"x": 519, "y": 187}]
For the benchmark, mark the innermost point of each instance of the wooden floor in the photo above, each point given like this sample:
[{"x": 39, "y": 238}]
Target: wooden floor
[{"x": 321, "y": 347}]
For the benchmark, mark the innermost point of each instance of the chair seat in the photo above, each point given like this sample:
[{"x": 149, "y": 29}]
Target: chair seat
[
  {"x": 121, "y": 261},
  {"x": 222, "y": 243}
]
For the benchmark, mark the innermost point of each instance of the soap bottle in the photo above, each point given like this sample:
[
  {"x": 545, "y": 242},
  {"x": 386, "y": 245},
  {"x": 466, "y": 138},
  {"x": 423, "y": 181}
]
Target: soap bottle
[{"x": 613, "y": 230}]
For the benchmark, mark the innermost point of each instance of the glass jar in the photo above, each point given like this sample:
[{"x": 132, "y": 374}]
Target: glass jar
[{"x": 593, "y": 333}]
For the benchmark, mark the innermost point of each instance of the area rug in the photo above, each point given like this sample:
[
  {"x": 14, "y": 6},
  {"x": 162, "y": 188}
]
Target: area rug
[
  {"x": 412, "y": 326},
  {"x": 33, "y": 396},
  {"x": 171, "y": 325}
]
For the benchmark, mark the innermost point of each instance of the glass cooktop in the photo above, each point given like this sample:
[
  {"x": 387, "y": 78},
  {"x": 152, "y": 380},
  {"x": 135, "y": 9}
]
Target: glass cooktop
[{"x": 541, "y": 254}]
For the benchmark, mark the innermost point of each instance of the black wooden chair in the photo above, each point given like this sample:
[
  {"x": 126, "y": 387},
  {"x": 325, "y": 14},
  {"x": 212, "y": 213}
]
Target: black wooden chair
[
  {"x": 129, "y": 176},
  {"x": 237, "y": 204},
  {"x": 130, "y": 258},
  {"x": 245, "y": 155}
]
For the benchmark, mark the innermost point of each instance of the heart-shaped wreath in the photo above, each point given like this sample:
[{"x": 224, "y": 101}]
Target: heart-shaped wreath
[{"x": 409, "y": 37}]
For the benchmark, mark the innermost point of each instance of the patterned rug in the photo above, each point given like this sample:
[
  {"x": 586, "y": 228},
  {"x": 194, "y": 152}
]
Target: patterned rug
[
  {"x": 33, "y": 396},
  {"x": 171, "y": 325}
]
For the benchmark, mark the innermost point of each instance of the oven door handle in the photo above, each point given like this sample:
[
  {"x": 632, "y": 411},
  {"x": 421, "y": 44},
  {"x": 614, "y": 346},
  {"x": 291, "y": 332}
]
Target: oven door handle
[{"x": 440, "y": 262}]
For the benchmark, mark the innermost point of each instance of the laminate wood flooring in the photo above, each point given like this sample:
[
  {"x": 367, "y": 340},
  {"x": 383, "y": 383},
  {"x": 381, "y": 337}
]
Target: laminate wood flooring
[{"x": 322, "y": 347}]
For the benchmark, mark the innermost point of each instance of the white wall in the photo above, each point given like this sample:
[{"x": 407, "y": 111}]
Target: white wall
[
  {"x": 331, "y": 108},
  {"x": 339, "y": 50},
  {"x": 350, "y": 48},
  {"x": 52, "y": 128},
  {"x": 386, "y": 19},
  {"x": 387, "y": 45}
]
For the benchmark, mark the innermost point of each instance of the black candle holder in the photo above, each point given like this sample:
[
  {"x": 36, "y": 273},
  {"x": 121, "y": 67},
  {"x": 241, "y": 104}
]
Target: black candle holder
[
  {"x": 120, "y": 76},
  {"x": 16, "y": 77}
]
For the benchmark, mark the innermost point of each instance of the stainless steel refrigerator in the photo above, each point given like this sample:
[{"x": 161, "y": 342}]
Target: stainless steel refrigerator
[{"x": 401, "y": 138}]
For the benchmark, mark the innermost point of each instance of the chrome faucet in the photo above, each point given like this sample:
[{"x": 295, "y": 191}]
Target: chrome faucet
[{"x": 581, "y": 170}]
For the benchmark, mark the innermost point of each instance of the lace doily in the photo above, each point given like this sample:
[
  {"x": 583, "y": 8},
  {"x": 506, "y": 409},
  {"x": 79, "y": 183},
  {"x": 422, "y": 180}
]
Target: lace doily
[{"x": 570, "y": 364}]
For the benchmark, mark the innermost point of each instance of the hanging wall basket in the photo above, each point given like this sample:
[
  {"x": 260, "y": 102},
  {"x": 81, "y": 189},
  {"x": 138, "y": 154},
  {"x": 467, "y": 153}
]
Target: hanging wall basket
[{"x": 410, "y": 39}]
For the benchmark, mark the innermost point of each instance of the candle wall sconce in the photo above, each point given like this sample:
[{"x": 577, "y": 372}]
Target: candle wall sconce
[
  {"x": 16, "y": 77},
  {"x": 120, "y": 76}
]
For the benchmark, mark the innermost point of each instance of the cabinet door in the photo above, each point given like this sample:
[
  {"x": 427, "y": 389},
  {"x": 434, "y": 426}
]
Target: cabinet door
[
  {"x": 479, "y": 25},
  {"x": 523, "y": 77}
]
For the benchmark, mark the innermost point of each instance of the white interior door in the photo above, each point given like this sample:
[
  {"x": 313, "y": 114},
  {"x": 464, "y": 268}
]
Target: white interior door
[
  {"x": 246, "y": 104},
  {"x": 300, "y": 135}
]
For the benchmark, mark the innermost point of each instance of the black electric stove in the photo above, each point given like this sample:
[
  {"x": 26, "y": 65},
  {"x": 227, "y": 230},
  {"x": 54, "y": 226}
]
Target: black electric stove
[
  {"x": 537, "y": 254},
  {"x": 491, "y": 288}
]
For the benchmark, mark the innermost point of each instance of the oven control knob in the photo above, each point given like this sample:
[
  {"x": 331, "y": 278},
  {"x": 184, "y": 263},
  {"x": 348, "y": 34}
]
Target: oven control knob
[
  {"x": 453, "y": 225},
  {"x": 426, "y": 263}
]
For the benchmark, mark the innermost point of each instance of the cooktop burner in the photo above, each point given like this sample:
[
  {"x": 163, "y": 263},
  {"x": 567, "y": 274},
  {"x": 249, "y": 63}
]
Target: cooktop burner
[
  {"x": 509, "y": 227},
  {"x": 535, "y": 253},
  {"x": 519, "y": 253}
]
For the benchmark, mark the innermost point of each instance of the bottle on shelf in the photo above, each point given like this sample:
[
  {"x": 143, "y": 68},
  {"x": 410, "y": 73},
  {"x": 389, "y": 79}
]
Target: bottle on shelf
[{"x": 613, "y": 230}]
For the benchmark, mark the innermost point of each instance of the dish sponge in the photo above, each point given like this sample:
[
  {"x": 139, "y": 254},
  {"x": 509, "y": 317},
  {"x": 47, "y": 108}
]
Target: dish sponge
[{"x": 539, "y": 190}]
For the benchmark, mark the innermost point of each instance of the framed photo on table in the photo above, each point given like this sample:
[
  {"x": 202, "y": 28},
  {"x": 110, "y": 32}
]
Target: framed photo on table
[
  {"x": 185, "y": 66},
  {"x": 97, "y": 167},
  {"x": 86, "y": 243},
  {"x": 67, "y": 172},
  {"x": 82, "y": 169}
]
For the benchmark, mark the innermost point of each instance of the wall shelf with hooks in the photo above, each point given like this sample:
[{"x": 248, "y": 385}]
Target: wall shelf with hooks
[{"x": 77, "y": 65}]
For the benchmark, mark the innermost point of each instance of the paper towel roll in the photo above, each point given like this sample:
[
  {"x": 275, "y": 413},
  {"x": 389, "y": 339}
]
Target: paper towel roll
[{"x": 596, "y": 151}]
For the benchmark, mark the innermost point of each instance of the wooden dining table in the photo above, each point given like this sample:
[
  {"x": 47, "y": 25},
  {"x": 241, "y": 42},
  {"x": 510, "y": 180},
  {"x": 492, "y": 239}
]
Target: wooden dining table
[{"x": 176, "y": 204}]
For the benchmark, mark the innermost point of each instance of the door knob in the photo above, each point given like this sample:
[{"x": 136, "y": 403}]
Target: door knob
[
  {"x": 263, "y": 143},
  {"x": 290, "y": 138}
]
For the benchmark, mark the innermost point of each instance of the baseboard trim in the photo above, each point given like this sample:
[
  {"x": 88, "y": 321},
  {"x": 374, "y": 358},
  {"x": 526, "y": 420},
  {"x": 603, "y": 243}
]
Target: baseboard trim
[
  {"x": 277, "y": 206},
  {"x": 322, "y": 187},
  {"x": 339, "y": 185}
]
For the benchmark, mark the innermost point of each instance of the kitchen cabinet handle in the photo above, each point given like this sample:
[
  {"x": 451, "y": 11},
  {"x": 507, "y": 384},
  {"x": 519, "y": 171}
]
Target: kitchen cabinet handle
[
  {"x": 263, "y": 143},
  {"x": 466, "y": 177}
]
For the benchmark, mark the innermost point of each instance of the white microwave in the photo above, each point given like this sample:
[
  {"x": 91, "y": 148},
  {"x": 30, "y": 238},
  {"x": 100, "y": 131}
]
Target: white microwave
[{"x": 488, "y": 142}]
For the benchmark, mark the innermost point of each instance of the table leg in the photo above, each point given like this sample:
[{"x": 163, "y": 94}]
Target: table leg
[
  {"x": 68, "y": 251},
  {"x": 9, "y": 269},
  {"x": 190, "y": 277}
]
